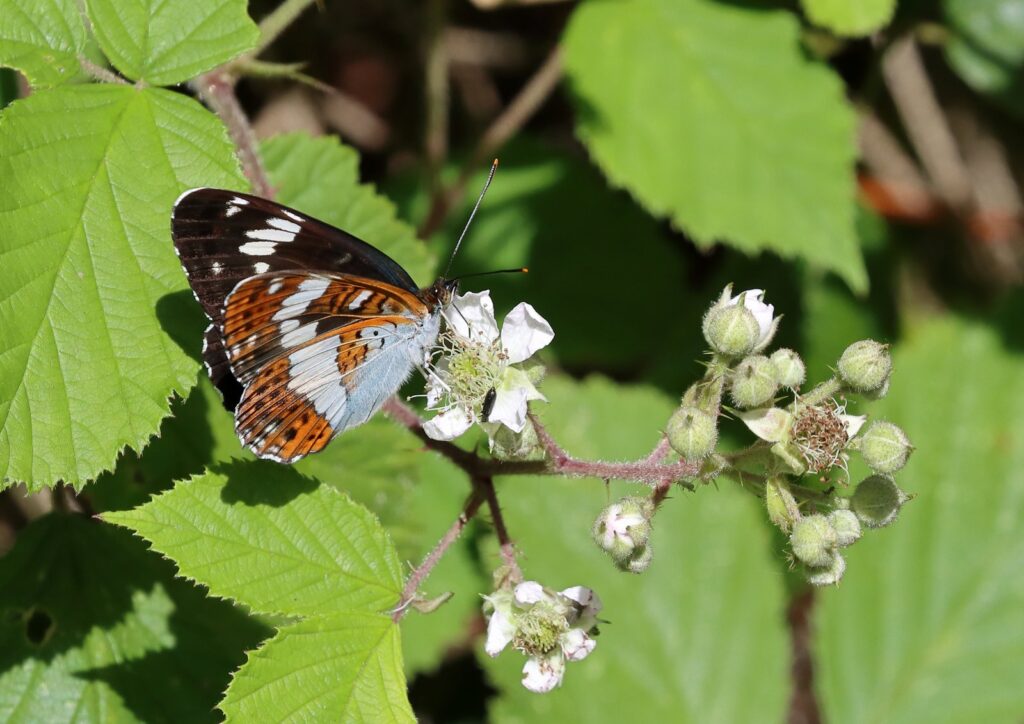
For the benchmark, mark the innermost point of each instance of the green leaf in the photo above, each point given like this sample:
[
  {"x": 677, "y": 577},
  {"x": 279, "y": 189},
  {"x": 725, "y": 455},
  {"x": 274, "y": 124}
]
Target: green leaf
[
  {"x": 86, "y": 365},
  {"x": 320, "y": 176},
  {"x": 700, "y": 636},
  {"x": 750, "y": 143},
  {"x": 95, "y": 629},
  {"x": 850, "y": 17},
  {"x": 164, "y": 42},
  {"x": 43, "y": 39},
  {"x": 341, "y": 667},
  {"x": 926, "y": 625},
  {"x": 987, "y": 47},
  {"x": 554, "y": 214},
  {"x": 262, "y": 534}
]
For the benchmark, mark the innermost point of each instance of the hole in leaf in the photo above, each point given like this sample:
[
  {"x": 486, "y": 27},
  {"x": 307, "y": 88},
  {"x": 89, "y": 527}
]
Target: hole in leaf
[{"x": 39, "y": 626}]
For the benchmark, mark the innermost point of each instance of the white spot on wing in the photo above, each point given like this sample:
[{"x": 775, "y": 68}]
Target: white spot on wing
[
  {"x": 292, "y": 215},
  {"x": 360, "y": 298},
  {"x": 270, "y": 234},
  {"x": 240, "y": 201},
  {"x": 260, "y": 267},
  {"x": 258, "y": 248},
  {"x": 275, "y": 286},
  {"x": 296, "y": 303},
  {"x": 301, "y": 335},
  {"x": 217, "y": 267},
  {"x": 284, "y": 225},
  {"x": 232, "y": 210}
]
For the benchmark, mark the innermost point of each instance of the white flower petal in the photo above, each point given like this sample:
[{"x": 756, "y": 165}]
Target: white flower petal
[
  {"x": 510, "y": 408},
  {"x": 853, "y": 423},
  {"x": 576, "y": 644},
  {"x": 448, "y": 425},
  {"x": 529, "y": 592},
  {"x": 500, "y": 631},
  {"x": 472, "y": 316},
  {"x": 524, "y": 332},
  {"x": 586, "y": 598},
  {"x": 768, "y": 423},
  {"x": 542, "y": 674},
  {"x": 753, "y": 299}
]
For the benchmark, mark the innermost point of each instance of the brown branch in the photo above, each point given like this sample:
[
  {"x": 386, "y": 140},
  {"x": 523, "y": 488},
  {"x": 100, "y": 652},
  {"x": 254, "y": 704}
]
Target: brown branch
[
  {"x": 217, "y": 88},
  {"x": 431, "y": 560},
  {"x": 529, "y": 99}
]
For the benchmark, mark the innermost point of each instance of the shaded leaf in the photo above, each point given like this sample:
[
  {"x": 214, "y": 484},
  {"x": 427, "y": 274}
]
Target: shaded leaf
[
  {"x": 342, "y": 667},
  {"x": 86, "y": 366},
  {"x": 927, "y": 625},
  {"x": 674, "y": 109},
  {"x": 164, "y": 42},
  {"x": 262, "y": 534},
  {"x": 987, "y": 47},
  {"x": 94, "y": 628}
]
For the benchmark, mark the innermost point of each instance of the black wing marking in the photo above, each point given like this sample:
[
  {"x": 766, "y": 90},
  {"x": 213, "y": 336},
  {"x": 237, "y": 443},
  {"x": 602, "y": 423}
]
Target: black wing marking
[{"x": 223, "y": 237}]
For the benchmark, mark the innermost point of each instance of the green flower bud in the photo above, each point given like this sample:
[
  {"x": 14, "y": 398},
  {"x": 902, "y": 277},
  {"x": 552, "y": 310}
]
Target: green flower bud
[
  {"x": 877, "y": 501},
  {"x": 692, "y": 433},
  {"x": 879, "y": 393},
  {"x": 753, "y": 382},
  {"x": 640, "y": 561},
  {"x": 732, "y": 331},
  {"x": 885, "y": 447},
  {"x": 623, "y": 528},
  {"x": 827, "y": 575},
  {"x": 846, "y": 526},
  {"x": 813, "y": 540},
  {"x": 865, "y": 366},
  {"x": 782, "y": 508},
  {"x": 789, "y": 368}
]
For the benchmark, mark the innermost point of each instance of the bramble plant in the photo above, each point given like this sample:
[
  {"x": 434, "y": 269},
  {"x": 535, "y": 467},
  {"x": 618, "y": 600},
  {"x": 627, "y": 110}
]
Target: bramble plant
[{"x": 180, "y": 578}]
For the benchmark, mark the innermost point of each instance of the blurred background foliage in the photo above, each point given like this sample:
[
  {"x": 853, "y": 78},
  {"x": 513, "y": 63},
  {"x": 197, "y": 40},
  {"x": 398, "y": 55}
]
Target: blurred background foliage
[{"x": 859, "y": 160}]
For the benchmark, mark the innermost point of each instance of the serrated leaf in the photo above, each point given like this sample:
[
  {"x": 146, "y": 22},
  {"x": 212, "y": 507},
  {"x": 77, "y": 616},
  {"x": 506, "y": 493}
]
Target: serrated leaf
[
  {"x": 87, "y": 366},
  {"x": 263, "y": 535},
  {"x": 320, "y": 176},
  {"x": 554, "y": 214},
  {"x": 164, "y": 42},
  {"x": 850, "y": 17},
  {"x": 95, "y": 629},
  {"x": 927, "y": 625},
  {"x": 702, "y": 624},
  {"x": 43, "y": 39},
  {"x": 342, "y": 667},
  {"x": 749, "y": 143},
  {"x": 987, "y": 48}
]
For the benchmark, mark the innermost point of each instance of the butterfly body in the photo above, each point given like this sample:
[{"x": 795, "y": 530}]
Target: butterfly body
[{"x": 315, "y": 326}]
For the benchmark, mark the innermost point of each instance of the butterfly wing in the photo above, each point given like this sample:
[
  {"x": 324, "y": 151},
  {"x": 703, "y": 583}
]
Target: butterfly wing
[
  {"x": 223, "y": 237},
  {"x": 318, "y": 353}
]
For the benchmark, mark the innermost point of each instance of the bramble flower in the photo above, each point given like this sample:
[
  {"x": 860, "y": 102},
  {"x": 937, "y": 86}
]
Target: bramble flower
[
  {"x": 740, "y": 325},
  {"x": 815, "y": 437},
  {"x": 550, "y": 628},
  {"x": 476, "y": 379}
]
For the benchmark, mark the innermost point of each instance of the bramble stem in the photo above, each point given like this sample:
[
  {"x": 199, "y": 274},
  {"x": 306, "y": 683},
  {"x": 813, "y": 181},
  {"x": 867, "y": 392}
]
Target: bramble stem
[
  {"x": 508, "y": 551},
  {"x": 278, "y": 20},
  {"x": 99, "y": 73},
  {"x": 822, "y": 392}
]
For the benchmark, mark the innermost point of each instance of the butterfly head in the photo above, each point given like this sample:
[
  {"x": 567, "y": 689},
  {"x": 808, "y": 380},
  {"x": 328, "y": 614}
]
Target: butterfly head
[{"x": 441, "y": 292}]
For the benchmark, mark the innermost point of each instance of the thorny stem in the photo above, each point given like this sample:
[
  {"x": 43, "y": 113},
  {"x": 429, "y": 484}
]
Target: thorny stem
[
  {"x": 508, "y": 551},
  {"x": 822, "y": 392}
]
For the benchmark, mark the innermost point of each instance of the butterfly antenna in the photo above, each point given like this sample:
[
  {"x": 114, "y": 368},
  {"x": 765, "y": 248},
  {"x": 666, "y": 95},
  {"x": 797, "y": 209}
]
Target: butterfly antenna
[{"x": 487, "y": 183}]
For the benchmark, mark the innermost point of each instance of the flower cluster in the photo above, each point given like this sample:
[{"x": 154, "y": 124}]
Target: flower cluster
[{"x": 550, "y": 627}]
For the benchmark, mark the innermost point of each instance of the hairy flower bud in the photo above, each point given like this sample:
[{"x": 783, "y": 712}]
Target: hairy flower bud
[
  {"x": 877, "y": 501},
  {"x": 623, "y": 528},
  {"x": 782, "y": 507},
  {"x": 865, "y": 366},
  {"x": 692, "y": 433},
  {"x": 732, "y": 331},
  {"x": 827, "y": 575},
  {"x": 789, "y": 368},
  {"x": 813, "y": 540},
  {"x": 753, "y": 382},
  {"x": 846, "y": 526},
  {"x": 640, "y": 561},
  {"x": 885, "y": 447}
]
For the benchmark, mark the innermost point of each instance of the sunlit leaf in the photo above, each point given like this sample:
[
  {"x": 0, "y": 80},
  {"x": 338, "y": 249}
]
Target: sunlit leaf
[
  {"x": 850, "y": 17},
  {"x": 43, "y": 39}
]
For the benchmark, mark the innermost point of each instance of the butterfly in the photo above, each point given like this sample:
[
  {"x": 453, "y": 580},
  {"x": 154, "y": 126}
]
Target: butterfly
[{"x": 311, "y": 329}]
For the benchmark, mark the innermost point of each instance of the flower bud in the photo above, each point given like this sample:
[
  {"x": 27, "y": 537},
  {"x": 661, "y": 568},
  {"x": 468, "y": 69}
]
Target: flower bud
[
  {"x": 827, "y": 575},
  {"x": 846, "y": 526},
  {"x": 640, "y": 561},
  {"x": 813, "y": 540},
  {"x": 782, "y": 507},
  {"x": 789, "y": 368},
  {"x": 877, "y": 501},
  {"x": 753, "y": 382},
  {"x": 507, "y": 444},
  {"x": 885, "y": 447},
  {"x": 732, "y": 330},
  {"x": 624, "y": 527},
  {"x": 865, "y": 366},
  {"x": 692, "y": 433}
]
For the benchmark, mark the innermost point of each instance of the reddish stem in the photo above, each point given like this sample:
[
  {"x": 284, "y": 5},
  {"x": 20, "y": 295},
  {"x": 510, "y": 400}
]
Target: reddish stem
[{"x": 508, "y": 551}]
